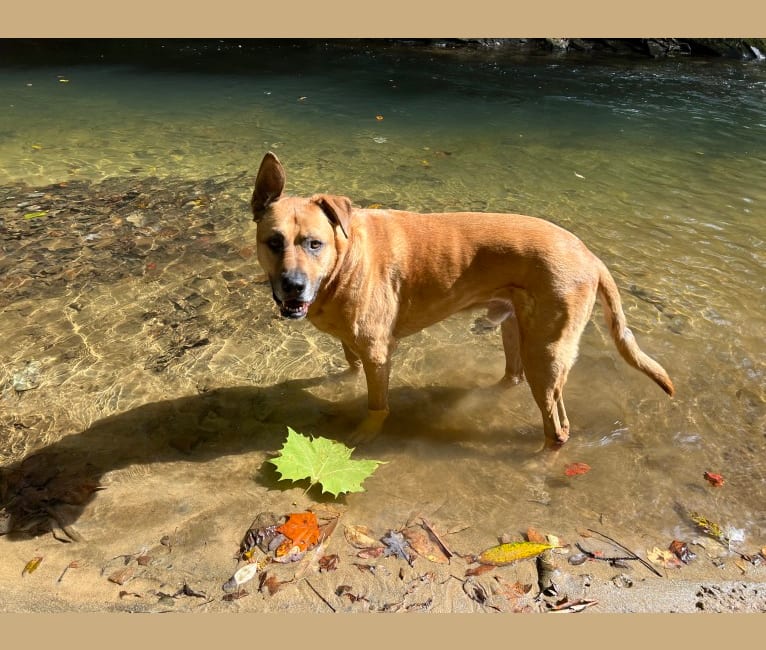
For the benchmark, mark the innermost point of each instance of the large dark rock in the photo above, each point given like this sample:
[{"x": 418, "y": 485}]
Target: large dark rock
[{"x": 246, "y": 53}]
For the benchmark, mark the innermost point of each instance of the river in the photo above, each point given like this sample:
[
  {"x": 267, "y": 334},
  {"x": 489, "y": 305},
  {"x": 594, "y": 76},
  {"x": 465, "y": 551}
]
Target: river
[{"x": 142, "y": 329}]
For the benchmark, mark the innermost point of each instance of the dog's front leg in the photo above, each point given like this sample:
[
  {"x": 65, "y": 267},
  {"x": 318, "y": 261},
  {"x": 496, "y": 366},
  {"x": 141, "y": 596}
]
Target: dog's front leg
[{"x": 377, "y": 375}]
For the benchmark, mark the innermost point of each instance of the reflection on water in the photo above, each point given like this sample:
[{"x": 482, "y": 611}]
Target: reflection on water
[{"x": 128, "y": 276}]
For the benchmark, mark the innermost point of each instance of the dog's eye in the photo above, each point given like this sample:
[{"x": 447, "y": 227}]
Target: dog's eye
[
  {"x": 276, "y": 243},
  {"x": 314, "y": 245}
]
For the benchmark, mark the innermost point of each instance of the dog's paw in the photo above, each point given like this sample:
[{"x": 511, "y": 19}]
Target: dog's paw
[
  {"x": 509, "y": 381},
  {"x": 369, "y": 428}
]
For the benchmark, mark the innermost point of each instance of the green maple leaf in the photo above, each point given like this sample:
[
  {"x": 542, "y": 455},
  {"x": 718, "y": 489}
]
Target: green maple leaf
[{"x": 322, "y": 461}]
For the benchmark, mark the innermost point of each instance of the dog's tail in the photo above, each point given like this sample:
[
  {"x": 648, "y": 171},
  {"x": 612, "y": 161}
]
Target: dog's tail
[{"x": 623, "y": 337}]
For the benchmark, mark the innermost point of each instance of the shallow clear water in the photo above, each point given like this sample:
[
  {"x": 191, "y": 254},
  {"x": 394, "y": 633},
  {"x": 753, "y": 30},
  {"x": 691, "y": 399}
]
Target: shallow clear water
[{"x": 658, "y": 166}]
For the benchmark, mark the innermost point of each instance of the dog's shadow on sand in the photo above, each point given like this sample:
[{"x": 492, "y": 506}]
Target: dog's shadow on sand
[{"x": 50, "y": 488}]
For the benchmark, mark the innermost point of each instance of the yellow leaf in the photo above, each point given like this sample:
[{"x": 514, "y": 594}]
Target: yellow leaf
[
  {"x": 507, "y": 553},
  {"x": 658, "y": 556},
  {"x": 32, "y": 565},
  {"x": 666, "y": 559},
  {"x": 709, "y": 527},
  {"x": 553, "y": 540}
]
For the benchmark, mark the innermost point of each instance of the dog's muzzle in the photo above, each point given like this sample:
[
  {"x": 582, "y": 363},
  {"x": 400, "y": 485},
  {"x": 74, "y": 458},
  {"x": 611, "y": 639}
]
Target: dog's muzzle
[{"x": 293, "y": 294}]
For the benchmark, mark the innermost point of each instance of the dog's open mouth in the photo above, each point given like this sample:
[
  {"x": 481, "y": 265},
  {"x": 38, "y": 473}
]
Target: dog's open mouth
[{"x": 294, "y": 308}]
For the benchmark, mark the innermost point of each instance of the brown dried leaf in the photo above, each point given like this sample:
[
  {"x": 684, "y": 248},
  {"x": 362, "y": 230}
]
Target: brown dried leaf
[
  {"x": 475, "y": 591},
  {"x": 328, "y": 528},
  {"x": 479, "y": 570},
  {"x": 432, "y": 532},
  {"x": 235, "y": 595},
  {"x": 360, "y": 537},
  {"x": 534, "y": 536},
  {"x": 572, "y": 606},
  {"x": 365, "y": 567},
  {"x": 346, "y": 590},
  {"x": 681, "y": 551},
  {"x": 513, "y": 593},
  {"x": 741, "y": 566},
  {"x": 328, "y": 562},
  {"x": 423, "y": 545},
  {"x": 271, "y": 583},
  {"x": 121, "y": 576}
]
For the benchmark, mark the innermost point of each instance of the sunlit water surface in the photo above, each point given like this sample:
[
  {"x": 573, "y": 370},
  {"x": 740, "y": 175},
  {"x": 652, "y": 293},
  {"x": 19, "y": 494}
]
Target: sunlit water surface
[{"x": 658, "y": 166}]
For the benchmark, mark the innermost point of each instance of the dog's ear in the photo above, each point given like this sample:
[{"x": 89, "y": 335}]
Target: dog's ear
[
  {"x": 337, "y": 209},
  {"x": 269, "y": 184}
]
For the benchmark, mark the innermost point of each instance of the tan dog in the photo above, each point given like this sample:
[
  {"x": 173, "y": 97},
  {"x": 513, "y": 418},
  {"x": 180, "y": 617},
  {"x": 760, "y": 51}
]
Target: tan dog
[{"x": 371, "y": 277}]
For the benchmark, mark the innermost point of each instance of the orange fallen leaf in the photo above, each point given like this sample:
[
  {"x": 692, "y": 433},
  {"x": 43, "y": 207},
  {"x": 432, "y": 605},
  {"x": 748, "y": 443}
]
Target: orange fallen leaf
[
  {"x": 716, "y": 480},
  {"x": 534, "y": 536},
  {"x": 575, "y": 469},
  {"x": 301, "y": 530}
]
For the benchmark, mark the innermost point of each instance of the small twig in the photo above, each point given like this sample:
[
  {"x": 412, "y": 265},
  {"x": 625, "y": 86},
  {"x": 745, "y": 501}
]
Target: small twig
[
  {"x": 321, "y": 597},
  {"x": 624, "y": 548},
  {"x": 71, "y": 565},
  {"x": 595, "y": 556}
]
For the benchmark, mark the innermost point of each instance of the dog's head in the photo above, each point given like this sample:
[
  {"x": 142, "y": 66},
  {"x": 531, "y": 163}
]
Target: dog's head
[{"x": 296, "y": 237}]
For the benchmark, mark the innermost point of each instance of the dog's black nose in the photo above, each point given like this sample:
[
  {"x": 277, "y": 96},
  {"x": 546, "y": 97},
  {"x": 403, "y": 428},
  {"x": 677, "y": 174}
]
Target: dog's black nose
[{"x": 293, "y": 283}]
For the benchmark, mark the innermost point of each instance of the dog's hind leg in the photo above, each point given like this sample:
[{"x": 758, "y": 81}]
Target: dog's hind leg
[
  {"x": 514, "y": 369},
  {"x": 543, "y": 381},
  {"x": 550, "y": 336}
]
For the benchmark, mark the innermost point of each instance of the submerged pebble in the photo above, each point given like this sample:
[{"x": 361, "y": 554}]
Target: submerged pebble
[{"x": 27, "y": 378}]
